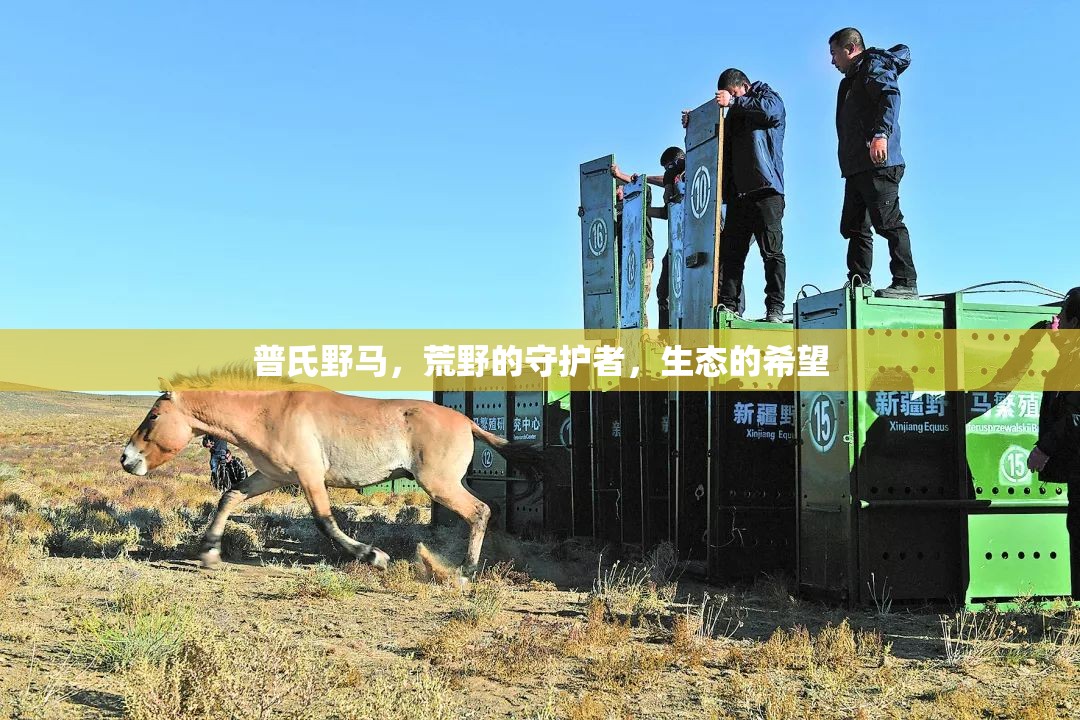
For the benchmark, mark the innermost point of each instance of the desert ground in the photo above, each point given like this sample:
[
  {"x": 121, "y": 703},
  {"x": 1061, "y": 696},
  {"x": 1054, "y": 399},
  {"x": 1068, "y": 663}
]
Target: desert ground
[{"x": 105, "y": 614}]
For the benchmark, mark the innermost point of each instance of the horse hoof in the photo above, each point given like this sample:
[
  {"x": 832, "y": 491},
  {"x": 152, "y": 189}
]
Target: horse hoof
[
  {"x": 377, "y": 558},
  {"x": 211, "y": 559}
]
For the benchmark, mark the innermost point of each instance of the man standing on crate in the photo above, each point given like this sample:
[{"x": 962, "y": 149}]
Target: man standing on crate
[
  {"x": 1056, "y": 456},
  {"x": 868, "y": 131},
  {"x": 753, "y": 188}
]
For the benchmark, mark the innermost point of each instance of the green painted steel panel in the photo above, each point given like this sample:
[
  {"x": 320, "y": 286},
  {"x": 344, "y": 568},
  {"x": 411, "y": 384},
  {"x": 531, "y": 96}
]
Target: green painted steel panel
[
  {"x": 1011, "y": 555},
  {"x": 1002, "y": 427}
]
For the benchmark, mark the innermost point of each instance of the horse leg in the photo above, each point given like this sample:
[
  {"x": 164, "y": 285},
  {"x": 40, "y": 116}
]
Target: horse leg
[
  {"x": 255, "y": 484},
  {"x": 454, "y": 497},
  {"x": 319, "y": 501}
]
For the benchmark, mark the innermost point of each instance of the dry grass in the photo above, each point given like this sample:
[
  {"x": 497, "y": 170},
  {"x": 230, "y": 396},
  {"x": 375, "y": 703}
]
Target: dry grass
[
  {"x": 484, "y": 600},
  {"x": 598, "y": 631},
  {"x": 627, "y": 668},
  {"x": 269, "y": 674},
  {"x": 40, "y": 695},
  {"x": 786, "y": 649},
  {"x": 16, "y": 554},
  {"x": 524, "y": 650},
  {"x": 972, "y": 638},
  {"x": 631, "y": 592}
]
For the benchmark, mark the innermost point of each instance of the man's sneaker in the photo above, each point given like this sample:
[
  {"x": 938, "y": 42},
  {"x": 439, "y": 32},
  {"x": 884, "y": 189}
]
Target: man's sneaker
[
  {"x": 859, "y": 281},
  {"x": 899, "y": 292},
  {"x": 722, "y": 308},
  {"x": 774, "y": 315}
]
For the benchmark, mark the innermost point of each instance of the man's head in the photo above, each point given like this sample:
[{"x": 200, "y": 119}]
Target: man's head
[
  {"x": 670, "y": 157},
  {"x": 673, "y": 161},
  {"x": 845, "y": 45},
  {"x": 1069, "y": 317},
  {"x": 734, "y": 81}
]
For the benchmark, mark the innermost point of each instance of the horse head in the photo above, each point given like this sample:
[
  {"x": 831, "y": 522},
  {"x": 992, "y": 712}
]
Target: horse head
[{"x": 164, "y": 432}]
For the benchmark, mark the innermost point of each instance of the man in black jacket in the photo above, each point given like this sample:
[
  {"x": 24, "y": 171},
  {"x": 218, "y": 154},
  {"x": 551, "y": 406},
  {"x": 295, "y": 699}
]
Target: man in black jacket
[
  {"x": 1056, "y": 456},
  {"x": 753, "y": 188},
  {"x": 868, "y": 133}
]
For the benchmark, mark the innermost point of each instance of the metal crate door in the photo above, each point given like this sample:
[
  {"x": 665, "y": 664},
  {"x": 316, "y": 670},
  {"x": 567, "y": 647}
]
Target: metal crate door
[
  {"x": 826, "y": 523},
  {"x": 701, "y": 263},
  {"x": 599, "y": 244}
]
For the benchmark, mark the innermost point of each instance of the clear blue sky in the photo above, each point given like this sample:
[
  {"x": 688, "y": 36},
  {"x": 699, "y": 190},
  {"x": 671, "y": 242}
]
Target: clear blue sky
[{"x": 384, "y": 165}]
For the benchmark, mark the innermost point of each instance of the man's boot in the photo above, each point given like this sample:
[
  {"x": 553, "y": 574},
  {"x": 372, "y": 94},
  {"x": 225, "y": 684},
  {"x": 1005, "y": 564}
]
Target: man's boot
[{"x": 897, "y": 291}]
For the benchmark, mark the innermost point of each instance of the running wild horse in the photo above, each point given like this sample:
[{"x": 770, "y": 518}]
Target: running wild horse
[{"x": 319, "y": 439}]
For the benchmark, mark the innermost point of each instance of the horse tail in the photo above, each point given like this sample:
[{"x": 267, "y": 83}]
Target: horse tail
[
  {"x": 490, "y": 438},
  {"x": 532, "y": 459}
]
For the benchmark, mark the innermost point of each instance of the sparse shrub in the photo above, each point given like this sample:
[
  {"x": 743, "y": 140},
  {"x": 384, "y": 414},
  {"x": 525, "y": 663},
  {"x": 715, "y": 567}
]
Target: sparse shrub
[
  {"x": 593, "y": 706},
  {"x": 630, "y": 592},
  {"x": 15, "y": 557},
  {"x": 402, "y": 578},
  {"x": 239, "y": 541},
  {"x": 786, "y": 650},
  {"x": 525, "y": 650},
  {"x": 870, "y": 645},
  {"x": 213, "y": 677},
  {"x": 626, "y": 667},
  {"x": 408, "y": 515},
  {"x": 446, "y": 644},
  {"x": 834, "y": 648},
  {"x": 89, "y": 528},
  {"x": 173, "y": 531},
  {"x": 686, "y": 639},
  {"x": 962, "y": 703},
  {"x": 380, "y": 499},
  {"x": 972, "y": 638},
  {"x": 398, "y": 693},
  {"x": 484, "y": 601},
  {"x": 142, "y": 598},
  {"x": 120, "y": 640},
  {"x": 324, "y": 582},
  {"x": 505, "y": 574}
]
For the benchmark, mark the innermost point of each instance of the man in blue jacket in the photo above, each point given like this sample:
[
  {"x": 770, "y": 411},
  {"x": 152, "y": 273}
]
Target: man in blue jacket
[
  {"x": 753, "y": 188},
  {"x": 868, "y": 130}
]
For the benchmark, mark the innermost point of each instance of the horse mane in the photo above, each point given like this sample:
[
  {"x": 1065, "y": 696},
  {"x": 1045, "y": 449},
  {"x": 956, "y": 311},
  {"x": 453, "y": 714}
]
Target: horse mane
[{"x": 236, "y": 376}]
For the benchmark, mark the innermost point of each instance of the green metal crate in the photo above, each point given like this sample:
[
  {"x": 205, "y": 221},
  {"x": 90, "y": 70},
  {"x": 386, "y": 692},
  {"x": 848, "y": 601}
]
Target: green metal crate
[
  {"x": 874, "y": 466},
  {"x": 1015, "y": 536},
  {"x": 910, "y": 489},
  {"x": 752, "y": 472}
]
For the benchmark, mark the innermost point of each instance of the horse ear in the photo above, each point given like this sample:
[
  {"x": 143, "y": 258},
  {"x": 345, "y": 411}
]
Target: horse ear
[{"x": 166, "y": 386}]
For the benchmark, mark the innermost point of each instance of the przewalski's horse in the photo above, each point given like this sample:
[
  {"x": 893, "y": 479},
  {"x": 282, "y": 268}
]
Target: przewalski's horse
[{"x": 319, "y": 439}]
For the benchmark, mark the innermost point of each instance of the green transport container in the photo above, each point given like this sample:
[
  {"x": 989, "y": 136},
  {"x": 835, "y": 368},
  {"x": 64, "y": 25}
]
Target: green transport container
[{"x": 912, "y": 493}]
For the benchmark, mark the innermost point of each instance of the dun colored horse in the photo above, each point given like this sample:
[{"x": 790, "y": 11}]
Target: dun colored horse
[{"x": 320, "y": 439}]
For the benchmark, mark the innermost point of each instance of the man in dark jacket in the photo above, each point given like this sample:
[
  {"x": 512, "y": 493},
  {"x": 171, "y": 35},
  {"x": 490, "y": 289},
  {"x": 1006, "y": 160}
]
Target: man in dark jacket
[
  {"x": 868, "y": 130},
  {"x": 1056, "y": 456},
  {"x": 753, "y": 187}
]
